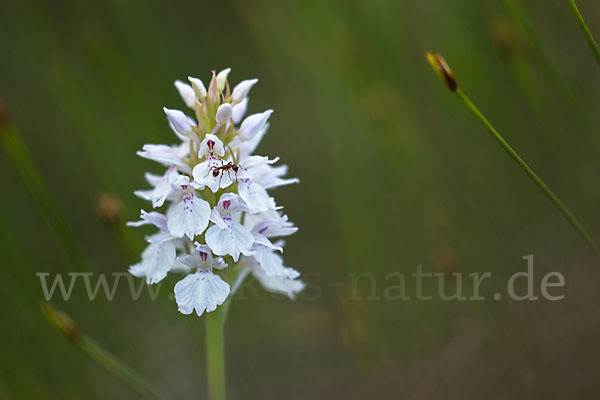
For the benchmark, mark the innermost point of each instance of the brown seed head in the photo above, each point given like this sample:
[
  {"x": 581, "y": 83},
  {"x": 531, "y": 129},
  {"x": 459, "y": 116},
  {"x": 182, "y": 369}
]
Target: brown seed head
[
  {"x": 109, "y": 208},
  {"x": 439, "y": 65},
  {"x": 62, "y": 322}
]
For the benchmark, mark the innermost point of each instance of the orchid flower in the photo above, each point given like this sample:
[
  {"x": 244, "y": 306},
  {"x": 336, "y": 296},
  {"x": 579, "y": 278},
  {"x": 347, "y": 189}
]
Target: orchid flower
[{"x": 220, "y": 224}]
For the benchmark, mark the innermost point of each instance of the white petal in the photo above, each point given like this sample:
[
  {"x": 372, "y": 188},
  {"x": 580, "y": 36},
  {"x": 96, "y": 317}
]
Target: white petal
[
  {"x": 259, "y": 170},
  {"x": 240, "y": 91},
  {"x": 252, "y": 220},
  {"x": 153, "y": 179},
  {"x": 187, "y": 93},
  {"x": 253, "y": 162},
  {"x": 247, "y": 147},
  {"x": 253, "y": 124},
  {"x": 271, "y": 177},
  {"x": 165, "y": 155},
  {"x": 198, "y": 87},
  {"x": 151, "y": 218},
  {"x": 261, "y": 241},
  {"x": 179, "y": 121},
  {"x": 204, "y": 174},
  {"x": 144, "y": 194},
  {"x": 157, "y": 260},
  {"x": 223, "y": 113},
  {"x": 219, "y": 263},
  {"x": 275, "y": 227},
  {"x": 162, "y": 187},
  {"x": 181, "y": 268},
  {"x": 160, "y": 237},
  {"x": 180, "y": 182},
  {"x": 270, "y": 262},
  {"x": 211, "y": 145},
  {"x": 232, "y": 239},
  {"x": 201, "y": 291},
  {"x": 239, "y": 110},
  {"x": 202, "y": 248},
  {"x": 183, "y": 149},
  {"x": 255, "y": 196},
  {"x": 230, "y": 203},
  {"x": 189, "y": 216},
  {"x": 222, "y": 78},
  {"x": 216, "y": 217},
  {"x": 202, "y": 258},
  {"x": 278, "y": 284}
]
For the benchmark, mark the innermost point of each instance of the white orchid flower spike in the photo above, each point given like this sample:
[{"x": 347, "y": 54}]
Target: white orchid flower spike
[{"x": 216, "y": 219}]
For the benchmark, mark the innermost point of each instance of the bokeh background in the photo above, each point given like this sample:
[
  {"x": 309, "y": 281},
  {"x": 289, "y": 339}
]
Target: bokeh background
[{"x": 395, "y": 173}]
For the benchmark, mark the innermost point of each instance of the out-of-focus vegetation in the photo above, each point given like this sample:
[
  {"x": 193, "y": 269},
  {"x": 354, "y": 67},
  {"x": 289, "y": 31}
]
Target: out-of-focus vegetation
[{"x": 395, "y": 173}]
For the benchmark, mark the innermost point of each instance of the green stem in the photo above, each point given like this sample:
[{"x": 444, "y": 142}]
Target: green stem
[
  {"x": 116, "y": 367},
  {"x": 553, "y": 74},
  {"x": 537, "y": 180},
  {"x": 584, "y": 29},
  {"x": 215, "y": 353},
  {"x": 18, "y": 153},
  {"x": 110, "y": 363}
]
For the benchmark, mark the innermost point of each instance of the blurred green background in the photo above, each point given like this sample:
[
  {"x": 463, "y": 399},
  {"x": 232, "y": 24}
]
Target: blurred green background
[{"x": 394, "y": 173}]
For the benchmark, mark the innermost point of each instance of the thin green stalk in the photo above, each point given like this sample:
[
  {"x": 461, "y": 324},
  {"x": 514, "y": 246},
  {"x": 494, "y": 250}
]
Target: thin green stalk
[
  {"x": 584, "y": 29},
  {"x": 536, "y": 179},
  {"x": 441, "y": 68},
  {"x": 522, "y": 21},
  {"x": 116, "y": 367},
  {"x": 552, "y": 72},
  {"x": 18, "y": 153},
  {"x": 103, "y": 358},
  {"x": 215, "y": 353}
]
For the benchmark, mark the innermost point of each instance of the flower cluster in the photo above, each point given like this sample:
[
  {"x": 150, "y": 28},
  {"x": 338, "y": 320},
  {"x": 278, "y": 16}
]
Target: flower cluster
[{"x": 220, "y": 222}]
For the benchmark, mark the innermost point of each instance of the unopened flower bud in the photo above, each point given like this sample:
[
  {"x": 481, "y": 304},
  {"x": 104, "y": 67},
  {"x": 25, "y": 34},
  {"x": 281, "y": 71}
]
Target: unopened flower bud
[
  {"x": 198, "y": 87},
  {"x": 222, "y": 78},
  {"x": 253, "y": 124},
  {"x": 240, "y": 91},
  {"x": 179, "y": 121},
  {"x": 223, "y": 113},
  {"x": 239, "y": 110},
  {"x": 186, "y": 92}
]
